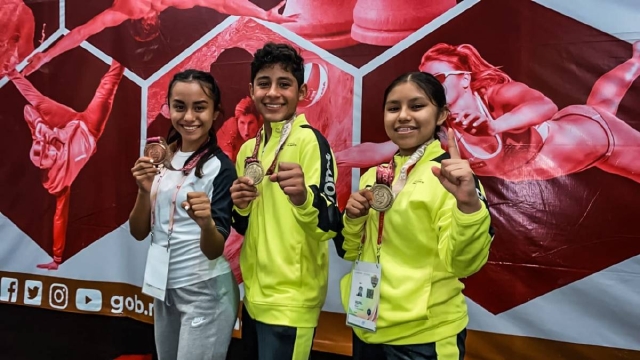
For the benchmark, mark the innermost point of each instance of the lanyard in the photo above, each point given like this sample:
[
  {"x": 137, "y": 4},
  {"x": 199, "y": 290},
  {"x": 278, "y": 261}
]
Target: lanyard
[
  {"x": 385, "y": 176},
  {"x": 186, "y": 170},
  {"x": 286, "y": 130}
]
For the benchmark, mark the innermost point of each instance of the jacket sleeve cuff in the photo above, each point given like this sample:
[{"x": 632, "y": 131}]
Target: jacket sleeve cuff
[
  {"x": 463, "y": 219},
  {"x": 353, "y": 225},
  {"x": 306, "y": 206},
  {"x": 243, "y": 212}
]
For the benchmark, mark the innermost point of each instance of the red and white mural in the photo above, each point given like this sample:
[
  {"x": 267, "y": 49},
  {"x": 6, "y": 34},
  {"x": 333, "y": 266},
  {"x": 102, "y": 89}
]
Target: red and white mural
[{"x": 544, "y": 98}]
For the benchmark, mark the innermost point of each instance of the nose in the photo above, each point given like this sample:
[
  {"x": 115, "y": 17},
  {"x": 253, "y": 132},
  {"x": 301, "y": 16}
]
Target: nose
[
  {"x": 272, "y": 91},
  {"x": 189, "y": 115},
  {"x": 404, "y": 116}
]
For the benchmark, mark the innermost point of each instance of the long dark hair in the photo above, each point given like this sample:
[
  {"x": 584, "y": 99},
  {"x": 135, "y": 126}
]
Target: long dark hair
[
  {"x": 210, "y": 87},
  {"x": 432, "y": 88}
]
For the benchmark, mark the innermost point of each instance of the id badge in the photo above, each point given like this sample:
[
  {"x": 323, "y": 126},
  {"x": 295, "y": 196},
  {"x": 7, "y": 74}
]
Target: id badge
[
  {"x": 364, "y": 296},
  {"x": 156, "y": 272}
]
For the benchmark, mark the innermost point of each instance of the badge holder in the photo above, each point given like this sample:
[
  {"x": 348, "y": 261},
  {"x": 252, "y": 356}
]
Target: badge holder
[
  {"x": 364, "y": 296},
  {"x": 156, "y": 271}
]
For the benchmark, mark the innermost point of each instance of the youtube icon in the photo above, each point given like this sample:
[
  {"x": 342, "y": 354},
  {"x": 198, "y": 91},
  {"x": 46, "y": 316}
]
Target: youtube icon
[{"x": 89, "y": 300}]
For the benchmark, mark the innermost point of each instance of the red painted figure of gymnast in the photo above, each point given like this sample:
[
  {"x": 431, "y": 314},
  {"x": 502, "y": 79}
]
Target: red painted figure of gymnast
[
  {"x": 508, "y": 130},
  {"x": 147, "y": 12},
  {"x": 63, "y": 142}
]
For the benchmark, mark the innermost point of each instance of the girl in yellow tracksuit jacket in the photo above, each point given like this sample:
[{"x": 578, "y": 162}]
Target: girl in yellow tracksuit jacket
[{"x": 415, "y": 227}]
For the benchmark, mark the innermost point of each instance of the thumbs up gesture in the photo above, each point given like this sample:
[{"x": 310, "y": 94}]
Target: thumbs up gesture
[
  {"x": 291, "y": 180},
  {"x": 456, "y": 177}
]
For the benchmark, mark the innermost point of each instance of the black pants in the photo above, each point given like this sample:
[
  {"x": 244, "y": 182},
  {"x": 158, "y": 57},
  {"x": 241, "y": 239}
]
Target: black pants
[
  {"x": 364, "y": 351},
  {"x": 274, "y": 342}
]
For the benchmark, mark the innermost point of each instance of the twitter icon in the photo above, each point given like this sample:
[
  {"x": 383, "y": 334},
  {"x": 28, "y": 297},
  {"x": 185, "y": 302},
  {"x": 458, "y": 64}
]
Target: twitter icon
[{"x": 32, "y": 292}]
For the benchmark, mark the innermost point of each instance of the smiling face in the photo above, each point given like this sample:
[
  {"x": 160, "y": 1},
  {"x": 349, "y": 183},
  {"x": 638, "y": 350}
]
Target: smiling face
[
  {"x": 410, "y": 117},
  {"x": 276, "y": 93},
  {"x": 192, "y": 113}
]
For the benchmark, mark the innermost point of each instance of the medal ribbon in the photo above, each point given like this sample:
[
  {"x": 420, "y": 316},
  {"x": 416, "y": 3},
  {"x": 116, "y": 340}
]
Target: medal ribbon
[
  {"x": 185, "y": 172},
  {"x": 385, "y": 176},
  {"x": 286, "y": 129}
]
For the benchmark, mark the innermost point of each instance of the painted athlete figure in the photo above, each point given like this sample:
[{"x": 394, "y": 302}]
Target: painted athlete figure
[
  {"x": 509, "y": 130},
  {"x": 148, "y": 11},
  {"x": 63, "y": 142},
  {"x": 16, "y": 34},
  {"x": 238, "y": 129}
]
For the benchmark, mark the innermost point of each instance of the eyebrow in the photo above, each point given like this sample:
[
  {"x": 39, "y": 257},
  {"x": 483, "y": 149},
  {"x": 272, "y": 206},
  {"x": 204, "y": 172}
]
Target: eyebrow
[
  {"x": 417, "y": 98},
  {"x": 279, "y": 79},
  {"x": 195, "y": 102}
]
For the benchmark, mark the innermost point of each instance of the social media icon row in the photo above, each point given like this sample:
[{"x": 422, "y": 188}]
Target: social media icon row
[{"x": 86, "y": 299}]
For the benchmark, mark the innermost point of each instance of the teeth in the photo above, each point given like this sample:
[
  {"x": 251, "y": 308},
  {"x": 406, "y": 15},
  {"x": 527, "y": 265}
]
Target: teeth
[
  {"x": 190, "y": 127},
  {"x": 272, "y": 106},
  {"x": 405, "y": 129}
]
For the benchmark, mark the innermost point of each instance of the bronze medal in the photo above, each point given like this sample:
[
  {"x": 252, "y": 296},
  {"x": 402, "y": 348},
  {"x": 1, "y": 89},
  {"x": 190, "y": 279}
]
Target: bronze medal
[
  {"x": 157, "y": 152},
  {"x": 382, "y": 197},
  {"x": 254, "y": 171}
]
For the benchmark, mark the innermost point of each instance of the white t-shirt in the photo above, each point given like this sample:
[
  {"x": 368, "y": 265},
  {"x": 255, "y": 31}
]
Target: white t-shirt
[{"x": 187, "y": 264}]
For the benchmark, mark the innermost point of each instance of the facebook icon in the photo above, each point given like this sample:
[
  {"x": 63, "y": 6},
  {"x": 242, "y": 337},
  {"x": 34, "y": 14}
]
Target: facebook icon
[{"x": 9, "y": 290}]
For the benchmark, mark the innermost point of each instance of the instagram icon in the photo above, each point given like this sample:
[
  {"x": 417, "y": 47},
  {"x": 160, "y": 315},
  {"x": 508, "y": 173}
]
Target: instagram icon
[{"x": 58, "y": 296}]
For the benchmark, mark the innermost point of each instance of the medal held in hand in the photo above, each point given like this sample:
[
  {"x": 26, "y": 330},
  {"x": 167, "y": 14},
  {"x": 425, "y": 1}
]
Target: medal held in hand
[
  {"x": 156, "y": 149},
  {"x": 252, "y": 167},
  {"x": 384, "y": 190},
  {"x": 254, "y": 171},
  {"x": 382, "y": 197}
]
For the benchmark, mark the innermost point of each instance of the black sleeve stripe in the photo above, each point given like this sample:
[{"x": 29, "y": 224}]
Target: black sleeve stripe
[
  {"x": 223, "y": 231},
  {"x": 240, "y": 223},
  {"x": 221, "y": 203},
  {"x": 482, "y": 198},
  {"x": 328, "y": 215},
  {"x": 443, "y": 156},
  {"x": 338, "y": 240}
]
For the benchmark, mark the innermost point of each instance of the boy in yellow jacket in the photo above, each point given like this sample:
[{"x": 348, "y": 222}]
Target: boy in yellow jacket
[
  {"x": 285, "y": 205},
  {"x": 417, "y": 225}
]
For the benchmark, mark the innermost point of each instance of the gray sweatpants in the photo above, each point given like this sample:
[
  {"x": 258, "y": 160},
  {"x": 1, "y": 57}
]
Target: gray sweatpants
[{"x": 196, "y": 322}]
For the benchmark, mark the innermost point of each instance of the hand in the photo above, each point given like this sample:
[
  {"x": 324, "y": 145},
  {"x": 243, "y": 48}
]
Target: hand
[
  {"x": 474, "y": 122},
  {"x": 34, "y": 63},
  {"x": 198, "y": 207},
  {"x": 291, "y": 180},
  {"x": 243, "y": 192},
  {"x": 359, "y": 203},
  {"x": 274, "y": 17},
  {"x": 457, "y": 178},
  {"x": 144, "y": 172}
]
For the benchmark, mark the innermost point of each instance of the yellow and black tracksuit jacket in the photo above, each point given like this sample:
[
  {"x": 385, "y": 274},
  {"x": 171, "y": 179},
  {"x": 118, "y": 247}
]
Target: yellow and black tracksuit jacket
[
  {"x": 428, "y": 244},
  {"x": 284, "y": 258}
]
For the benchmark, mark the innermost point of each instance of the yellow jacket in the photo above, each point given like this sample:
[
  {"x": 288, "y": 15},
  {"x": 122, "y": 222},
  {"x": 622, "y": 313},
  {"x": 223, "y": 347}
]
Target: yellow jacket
[
  {"x": 427, "y": 245},
  {"x": 284, "y": 258}
]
